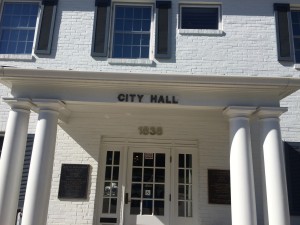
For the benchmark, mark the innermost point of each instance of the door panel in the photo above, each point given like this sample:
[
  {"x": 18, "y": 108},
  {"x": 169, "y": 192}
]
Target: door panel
[{"x": 148, "y": 187}]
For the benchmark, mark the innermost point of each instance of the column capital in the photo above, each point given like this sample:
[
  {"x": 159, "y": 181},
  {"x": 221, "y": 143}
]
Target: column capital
[
  {"x": 19, "y": 103},
  {"x": 54, "y": 105},
  {"x": 270, "y": 112},
  {"x": 239, "y": 111}
]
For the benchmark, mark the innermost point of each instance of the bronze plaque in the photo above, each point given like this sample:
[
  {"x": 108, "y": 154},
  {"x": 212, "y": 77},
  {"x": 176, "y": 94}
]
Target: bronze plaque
[
  {"x": 219, "y": 186},
  {"x": 74, "y": 180}
]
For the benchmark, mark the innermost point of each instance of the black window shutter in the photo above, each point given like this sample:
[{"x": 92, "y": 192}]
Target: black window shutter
[
  {"x": 27, "y": 158},
  {"x": 1, "y": 143},
  {"x": 46, "y": 27},
  {"x": 284, "y": 44},
  {"x": 163, "y": 29},
  {"x": 101, "y": 24},
  {"x": 292, "y": 161}
]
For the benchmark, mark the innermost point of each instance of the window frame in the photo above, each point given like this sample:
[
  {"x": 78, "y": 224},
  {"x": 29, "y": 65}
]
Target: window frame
[
  {"x": 218, "y": 6},
  {"x": 112, "y": 27},
  {"x": 20, "y": 55}
]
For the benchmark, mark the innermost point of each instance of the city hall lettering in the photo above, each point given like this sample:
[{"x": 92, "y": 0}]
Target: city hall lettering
[{"x": 140, "y": 98}]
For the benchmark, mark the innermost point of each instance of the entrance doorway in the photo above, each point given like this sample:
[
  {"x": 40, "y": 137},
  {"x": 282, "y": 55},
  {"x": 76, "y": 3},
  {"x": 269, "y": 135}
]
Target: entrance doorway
[{"x": 147, "y": 185}]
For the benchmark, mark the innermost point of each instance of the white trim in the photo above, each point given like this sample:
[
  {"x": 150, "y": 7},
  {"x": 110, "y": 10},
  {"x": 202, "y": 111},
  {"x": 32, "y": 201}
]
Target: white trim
[
  {"x": 128, "y": 61},
  {"x": 204, "y": 32}
]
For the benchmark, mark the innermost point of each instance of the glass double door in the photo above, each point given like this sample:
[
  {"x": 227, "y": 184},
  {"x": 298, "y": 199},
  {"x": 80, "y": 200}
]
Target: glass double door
[{"x": 147, "y": 192}]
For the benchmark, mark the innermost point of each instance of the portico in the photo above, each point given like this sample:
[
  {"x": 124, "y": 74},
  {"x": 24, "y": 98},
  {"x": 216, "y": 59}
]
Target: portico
[{"x": 208, "y": 107}]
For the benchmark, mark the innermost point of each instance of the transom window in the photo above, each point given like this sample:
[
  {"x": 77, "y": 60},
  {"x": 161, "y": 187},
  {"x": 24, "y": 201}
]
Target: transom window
[
  {"x": 199, "y": 17},
  {"x": 17, "y": 27},
  {"x": 131, "y": 34},
  {"x": 296, "y": 33}
]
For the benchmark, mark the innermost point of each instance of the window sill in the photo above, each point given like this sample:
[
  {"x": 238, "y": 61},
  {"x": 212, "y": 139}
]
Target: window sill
[
  {"x": 204, "y": 32},
  {"x": 297, "y": 66},
  {"x": 16, "y": 56},
  {"x": 146, "y": 62}
]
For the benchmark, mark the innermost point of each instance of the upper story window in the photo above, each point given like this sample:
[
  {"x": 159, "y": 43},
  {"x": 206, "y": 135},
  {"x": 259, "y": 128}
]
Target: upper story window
[
  {"x": 18, "y": 22},
  {"x": 199, "y": 17},
  {"x": 296, "y": 33},
  {"x": 18, "y": 26},
  {"x": 126, "y": 31},
  {"x": 288, "y": 32},
  {"x": 131, "y": 34}
]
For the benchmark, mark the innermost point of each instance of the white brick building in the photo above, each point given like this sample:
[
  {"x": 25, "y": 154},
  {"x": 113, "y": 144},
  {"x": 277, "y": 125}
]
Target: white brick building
[{"x": 141, "y": 108}]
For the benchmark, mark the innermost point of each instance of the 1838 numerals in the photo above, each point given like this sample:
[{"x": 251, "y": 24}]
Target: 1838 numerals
[{"x": 147, "y": 130}]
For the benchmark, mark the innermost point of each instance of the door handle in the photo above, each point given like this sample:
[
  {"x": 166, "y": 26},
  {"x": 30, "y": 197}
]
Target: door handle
[{"x": 126, "y": 198}]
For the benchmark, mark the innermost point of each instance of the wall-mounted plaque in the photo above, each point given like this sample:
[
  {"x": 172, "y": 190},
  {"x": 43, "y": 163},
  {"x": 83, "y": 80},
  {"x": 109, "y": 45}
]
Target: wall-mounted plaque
[
  {"x": 74, "y": 179},
  {"x": 219, "y": 186}
]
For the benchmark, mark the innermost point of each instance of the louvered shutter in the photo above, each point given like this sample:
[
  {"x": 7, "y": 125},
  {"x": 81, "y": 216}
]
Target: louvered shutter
[
  {"x": 283, "y": 28},
  {"x": 163, "y": 29},
  {"x": 292, "y": 160}
]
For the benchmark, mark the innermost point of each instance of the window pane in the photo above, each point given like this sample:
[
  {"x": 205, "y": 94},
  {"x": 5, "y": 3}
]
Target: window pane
[
  {"x": 137, "y": 159},
  {"x": 160, "y": 160},
  {"x": 181, "y": 209},
  {"x": 148, "y": 175},
  {"x": 105, "y": 205},
  {"x": 109, "y": 157},
  {"x": 137, "y": 174},
  {"x": 113, "y": 205},
  {"x": 160, "y": 175},
  {"x": 147, "y": 190},
  {"x": 159, "y": 191},
  {"x": 147, "y": 207},
  {"x": 136, "y": 190},
  {"x": 159, "y": 208},
  {"x": 108, "y": 173},
  {"x": 135, "y": 207},
  {"x": 199, "y": 18}
]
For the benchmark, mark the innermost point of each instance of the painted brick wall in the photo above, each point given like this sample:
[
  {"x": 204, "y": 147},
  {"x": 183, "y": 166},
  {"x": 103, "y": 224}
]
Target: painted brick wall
[{"x": 247, "y": 48}]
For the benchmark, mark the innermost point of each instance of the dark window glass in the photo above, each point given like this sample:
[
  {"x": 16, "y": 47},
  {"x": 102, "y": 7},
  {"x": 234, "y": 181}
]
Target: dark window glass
[
  {"x": 113, "y": 205},
  {"x": 135, "y": 207},
  {"x": 105, "y": 205},
  {"x": 137, "y": 174},
  {"x": 131, "y": 36},
  {"x": 137, "y": 159},
  {"x": 17, "y": 19},
  {"x": 296, "y": 33},
  {"x": 117, "y": 158},
  {"x": 108, "y": 173},
  {"x": 115, "y": 173},
  {"x": 136, "y": 190},
  {"x": 160, "y": 160},
  {"x": 109, "y": 157},
  {"x": 159, "y": 208},
  {"x": 147, "y": 207},
  {"x": 199, "y": 18}
]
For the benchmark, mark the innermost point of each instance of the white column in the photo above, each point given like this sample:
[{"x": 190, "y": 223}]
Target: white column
[
  {"x": 275, "y": 177},
  {"x": 41, "y": 166},
  {"x": 243, "y": 204},
  {"x": 12, "y": 158}
]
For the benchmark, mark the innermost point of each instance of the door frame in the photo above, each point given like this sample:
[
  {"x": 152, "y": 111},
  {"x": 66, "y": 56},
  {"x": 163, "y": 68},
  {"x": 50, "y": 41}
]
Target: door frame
[{"x": 123, "y": 144}]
